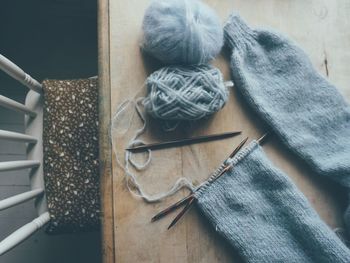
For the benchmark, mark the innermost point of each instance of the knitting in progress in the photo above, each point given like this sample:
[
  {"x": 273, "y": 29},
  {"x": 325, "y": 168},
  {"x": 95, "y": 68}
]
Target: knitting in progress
[
  {"x": 262, "y": 215},
  {"x": 181, "y": 32},
  {"x": 276, "y": 192},
  {"x": 185, "y": 93},
  {"x": 280, "y": 84}
]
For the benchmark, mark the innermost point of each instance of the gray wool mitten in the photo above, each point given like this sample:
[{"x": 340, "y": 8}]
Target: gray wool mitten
[
  {"x": 264, "y": 217},
  {"x": 306, "y": 112}
]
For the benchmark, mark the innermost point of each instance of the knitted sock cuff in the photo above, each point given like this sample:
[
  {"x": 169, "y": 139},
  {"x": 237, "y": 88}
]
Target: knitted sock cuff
[
  {"x": 263, "y": 215},
  {"x": 237, "y": 32}
]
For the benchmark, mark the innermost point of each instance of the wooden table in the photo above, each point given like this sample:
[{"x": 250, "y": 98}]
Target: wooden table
[{"x": 320, "y": 27}]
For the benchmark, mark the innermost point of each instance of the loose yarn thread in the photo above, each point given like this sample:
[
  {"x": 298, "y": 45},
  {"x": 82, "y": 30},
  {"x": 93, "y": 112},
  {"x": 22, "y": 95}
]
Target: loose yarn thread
[
  {"x": 131, "y": 179},
  {"x": 181, "y": 32},
  {"x": 185, "y": 93}
]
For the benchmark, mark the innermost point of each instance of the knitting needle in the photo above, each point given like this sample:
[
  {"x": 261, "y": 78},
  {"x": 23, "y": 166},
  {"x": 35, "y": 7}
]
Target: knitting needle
[
  {"x": 239, "y": 147},
  {"x": 174, "y": 143},
  {"x": 186, "y": 208},
  {"x": 173, "y": 207},
  {"x": 191, "y": 201},
  {"x": 261, "y": 140}
]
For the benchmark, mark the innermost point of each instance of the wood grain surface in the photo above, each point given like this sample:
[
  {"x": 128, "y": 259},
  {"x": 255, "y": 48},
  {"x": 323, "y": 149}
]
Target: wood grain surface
[
  {"x": 104, "y": 142},
  {"x": 320, "y": 27}
]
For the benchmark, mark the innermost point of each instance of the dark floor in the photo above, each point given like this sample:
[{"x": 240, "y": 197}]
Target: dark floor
[{"x": 48, "y": 39}]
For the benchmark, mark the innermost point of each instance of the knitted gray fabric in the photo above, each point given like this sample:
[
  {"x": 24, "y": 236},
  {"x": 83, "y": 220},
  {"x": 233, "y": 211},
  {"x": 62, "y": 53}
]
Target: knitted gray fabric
[
  {"x": 279, "y": 82},
  {"x": 259, "y": 211}
]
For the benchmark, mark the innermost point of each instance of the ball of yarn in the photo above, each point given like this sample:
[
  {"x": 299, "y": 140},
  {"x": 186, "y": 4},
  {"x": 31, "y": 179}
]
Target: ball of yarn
[
  {"x": 185, "y": 93},
  {"x": 181, "y": 32}
]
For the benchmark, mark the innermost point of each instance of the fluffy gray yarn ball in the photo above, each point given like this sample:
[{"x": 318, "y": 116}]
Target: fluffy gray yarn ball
[
  {"x": 185, "y": 93},
  {"x": 181, "y": 32}
]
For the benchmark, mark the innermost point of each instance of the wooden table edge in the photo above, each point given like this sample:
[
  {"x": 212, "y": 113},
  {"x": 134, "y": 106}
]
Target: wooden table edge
[{"x": 105, "y": 150}]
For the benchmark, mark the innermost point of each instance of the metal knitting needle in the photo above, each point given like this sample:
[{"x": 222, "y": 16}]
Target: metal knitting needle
[{"x": 180, "y": 142}]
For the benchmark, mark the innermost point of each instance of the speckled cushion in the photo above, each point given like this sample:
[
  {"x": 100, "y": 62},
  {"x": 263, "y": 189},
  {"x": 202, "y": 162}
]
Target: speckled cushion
[{"x": 71, "y": 168}]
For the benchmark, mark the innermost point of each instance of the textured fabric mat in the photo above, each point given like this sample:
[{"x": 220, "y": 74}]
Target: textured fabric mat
[{"x": 71, "y": 168}]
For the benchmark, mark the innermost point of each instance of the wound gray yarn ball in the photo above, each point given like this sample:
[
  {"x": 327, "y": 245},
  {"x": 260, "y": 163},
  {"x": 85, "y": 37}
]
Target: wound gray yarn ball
[
  {"x": 181, "y": 32},
  {"x": 185, "y": 93}
]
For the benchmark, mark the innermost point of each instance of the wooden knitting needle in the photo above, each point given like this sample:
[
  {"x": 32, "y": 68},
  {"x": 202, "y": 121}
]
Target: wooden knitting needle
[
  {"x": 238, "y": 148},
  {"x": 171, "y": 208},
  {"x": 180, "y": 142},
  {"x": 262, "y": 139},
  {"x": 183, "y": 211}
]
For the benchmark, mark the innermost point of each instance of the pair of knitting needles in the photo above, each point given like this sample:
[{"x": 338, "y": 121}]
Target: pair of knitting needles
[{"x": 189, "y": 200}]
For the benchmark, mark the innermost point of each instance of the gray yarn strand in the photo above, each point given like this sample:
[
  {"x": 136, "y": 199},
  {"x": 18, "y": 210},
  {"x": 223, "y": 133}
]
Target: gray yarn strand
[
  {"x": 185, "y": 93},
  {"x": 132, "y": 182}
]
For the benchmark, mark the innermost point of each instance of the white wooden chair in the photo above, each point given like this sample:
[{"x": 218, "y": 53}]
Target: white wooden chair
[{"x": 33, "y": 110}]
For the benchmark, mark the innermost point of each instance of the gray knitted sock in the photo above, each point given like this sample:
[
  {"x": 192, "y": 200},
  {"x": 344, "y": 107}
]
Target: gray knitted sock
[
  {"x": 259, "y": 211},
  {"x": 279, "y": 82}
]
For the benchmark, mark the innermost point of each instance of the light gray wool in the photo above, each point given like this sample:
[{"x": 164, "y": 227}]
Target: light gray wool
[
  {"x": 263, "y": 216},
  {"x": 181, "y": 32},
  {"x": 185, "y": 93},
  {"x": 305, "y": 111}
]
